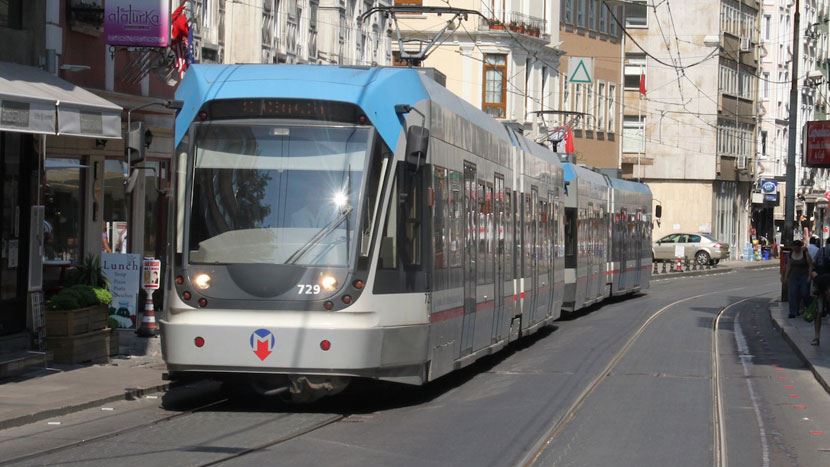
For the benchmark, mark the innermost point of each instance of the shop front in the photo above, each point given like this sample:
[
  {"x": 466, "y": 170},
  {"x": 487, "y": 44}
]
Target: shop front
[{"x": 42, "y": 226}]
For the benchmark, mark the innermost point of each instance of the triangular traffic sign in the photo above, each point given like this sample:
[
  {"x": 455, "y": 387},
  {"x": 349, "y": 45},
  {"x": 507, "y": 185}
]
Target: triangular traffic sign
[{"x": 580, "y": 74}]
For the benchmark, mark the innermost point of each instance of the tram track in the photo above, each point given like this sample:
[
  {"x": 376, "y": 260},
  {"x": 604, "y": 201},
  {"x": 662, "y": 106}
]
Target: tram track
[
  {"x": 107, "y": 436},
  {"x": 218, "y": 404},
  {"x": 539, "y": 448}
]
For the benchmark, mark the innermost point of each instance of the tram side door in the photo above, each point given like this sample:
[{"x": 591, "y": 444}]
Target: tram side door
[
  {"x": 470, "y": 255},
  {"x": 498, "y": 213},
  {"x": 638, "y": 235},
  {"x": 534, "y": 252},
  {"x": 551, "y": 251}
]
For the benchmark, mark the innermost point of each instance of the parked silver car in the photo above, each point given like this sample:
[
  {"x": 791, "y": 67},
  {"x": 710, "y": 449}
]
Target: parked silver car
[{"x": 702, "y": 247}]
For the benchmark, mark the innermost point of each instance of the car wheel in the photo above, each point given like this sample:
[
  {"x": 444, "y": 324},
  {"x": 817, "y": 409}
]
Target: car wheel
[
  {"x": 717, "y": 261},
  {"x": 702, "y": 258}
]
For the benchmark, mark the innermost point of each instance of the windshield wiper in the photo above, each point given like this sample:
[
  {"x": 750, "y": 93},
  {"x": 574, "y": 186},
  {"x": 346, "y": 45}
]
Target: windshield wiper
[{"x": 327, "y": 229}]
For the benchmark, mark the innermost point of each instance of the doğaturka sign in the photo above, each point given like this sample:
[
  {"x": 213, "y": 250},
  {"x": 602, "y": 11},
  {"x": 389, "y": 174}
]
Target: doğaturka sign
[
  {"x": 817, "y": 153},
  {"x": 137, "y": 23}
]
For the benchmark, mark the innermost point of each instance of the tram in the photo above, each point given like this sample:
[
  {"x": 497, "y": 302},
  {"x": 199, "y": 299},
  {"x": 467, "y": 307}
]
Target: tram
[{"x": 340, "y": 222}]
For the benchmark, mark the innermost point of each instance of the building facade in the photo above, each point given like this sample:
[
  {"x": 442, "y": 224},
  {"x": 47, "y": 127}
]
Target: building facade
[
  {"x": 590, "y": 29},
  {"x": 290, "y": 31},
  {"x": 774, "y": 110},
  {"x": 690, "y": 131},
  {"x": 505, "y": 62}
]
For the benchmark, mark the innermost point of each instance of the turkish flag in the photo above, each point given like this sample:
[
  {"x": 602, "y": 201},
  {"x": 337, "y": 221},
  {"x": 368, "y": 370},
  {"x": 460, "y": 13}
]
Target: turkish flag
[
  {"x": 643, "y": 82},
  {"x": 569, "y": 141},
  {"x": 180, "y": 27}
]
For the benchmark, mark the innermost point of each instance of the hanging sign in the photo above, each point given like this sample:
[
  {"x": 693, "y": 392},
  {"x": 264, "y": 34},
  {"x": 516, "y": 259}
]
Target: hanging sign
[
  {"x": 137, "y": 23},
  {"x": 817, "y": 152}
]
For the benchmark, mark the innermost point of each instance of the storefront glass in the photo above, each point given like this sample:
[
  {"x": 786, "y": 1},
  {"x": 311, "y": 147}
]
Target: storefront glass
[
  {"x": 114, "y": 238},
  {"x": 15, "y": 165},
  {"x": 63, "y": 224}
]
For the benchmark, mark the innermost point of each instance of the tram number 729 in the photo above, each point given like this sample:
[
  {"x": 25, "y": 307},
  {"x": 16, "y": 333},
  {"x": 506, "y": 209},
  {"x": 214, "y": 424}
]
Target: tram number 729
[{"x": 308, "y": 289}]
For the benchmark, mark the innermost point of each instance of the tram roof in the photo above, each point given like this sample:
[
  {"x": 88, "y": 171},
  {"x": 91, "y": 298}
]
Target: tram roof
[
  {"x": 572, "y": 171},
  {"x": 629, "y": 185},
  {"x": 376, "y": 90}
]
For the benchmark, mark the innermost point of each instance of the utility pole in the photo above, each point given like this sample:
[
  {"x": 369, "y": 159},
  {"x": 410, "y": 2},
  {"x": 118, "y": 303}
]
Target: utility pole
[{"x": 789, "y": 207}]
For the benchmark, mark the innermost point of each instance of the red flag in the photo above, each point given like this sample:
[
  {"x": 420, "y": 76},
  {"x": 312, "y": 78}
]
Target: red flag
[
  {"x": 179, "y": 24},
  {"x": 643, "y": 81},
  {"x": 181, "y": 38},
  {"x": 569, "y": 141}
]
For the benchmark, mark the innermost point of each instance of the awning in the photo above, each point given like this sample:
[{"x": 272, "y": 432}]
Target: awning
[{"x": 34, "y": 101}]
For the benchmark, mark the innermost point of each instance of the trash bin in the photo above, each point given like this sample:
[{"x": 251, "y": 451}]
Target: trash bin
[{"x": 765, "y": 253}]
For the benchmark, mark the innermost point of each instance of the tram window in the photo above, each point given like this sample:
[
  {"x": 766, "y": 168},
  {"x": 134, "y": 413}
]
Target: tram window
[
  {"x": 570, "y": 226},
  {"x": 439, "y": 217},
  {"x": 482, "y": 233},
  {"x": 456, "y": 218},
  {"x": 388, "y": 258},
  {"x": 372, "y": 193},
  {"x": 508, "y": 234}
]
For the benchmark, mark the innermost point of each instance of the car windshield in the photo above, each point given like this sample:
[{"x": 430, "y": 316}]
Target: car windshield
[{"x": 276, "y": 193}]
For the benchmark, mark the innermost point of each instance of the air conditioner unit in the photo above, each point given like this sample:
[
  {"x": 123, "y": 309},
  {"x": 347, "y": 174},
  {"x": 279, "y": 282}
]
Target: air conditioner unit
[
  {"x": 745, "y": 44},
  {"x": 741, "y": 162}
]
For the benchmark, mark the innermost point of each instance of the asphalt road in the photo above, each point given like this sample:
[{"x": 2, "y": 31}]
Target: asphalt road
[{"x": 629, "y": 383}]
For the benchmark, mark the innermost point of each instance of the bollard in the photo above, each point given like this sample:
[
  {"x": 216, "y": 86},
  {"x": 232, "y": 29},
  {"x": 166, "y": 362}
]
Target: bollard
[
  {"x": 148, "y": 319},
  {"x": 687, "y": 265},
  {"x": 678, "y": 265},
  {"x": 664, "y": 267},
  {"x": 694, "y": 265},
  {"x": 655, "y": 268}
]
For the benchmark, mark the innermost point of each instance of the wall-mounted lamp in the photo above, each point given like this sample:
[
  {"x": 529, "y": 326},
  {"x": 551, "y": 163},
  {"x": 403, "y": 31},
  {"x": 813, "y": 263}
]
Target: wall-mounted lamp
[{"x": 148, "y": 138}]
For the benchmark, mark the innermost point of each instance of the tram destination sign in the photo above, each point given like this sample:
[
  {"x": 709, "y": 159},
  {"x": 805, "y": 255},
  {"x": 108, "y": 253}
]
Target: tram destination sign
[{"x": 817, "y": 142}]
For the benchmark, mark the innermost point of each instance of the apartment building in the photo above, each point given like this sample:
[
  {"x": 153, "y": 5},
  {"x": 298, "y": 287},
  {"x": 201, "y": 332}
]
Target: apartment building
[
  {"x": 690, "y": 133},
  {"x": 290, "y": 31},
  {"x": 590, "y": 29},
  {"x": 505, "y": 62},
  {"x": 776, "y": 51}
]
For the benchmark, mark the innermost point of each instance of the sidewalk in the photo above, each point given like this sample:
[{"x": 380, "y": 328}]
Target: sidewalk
[
  {"x": 62, "y": 389},
  {"x": 798, "y": 333}
]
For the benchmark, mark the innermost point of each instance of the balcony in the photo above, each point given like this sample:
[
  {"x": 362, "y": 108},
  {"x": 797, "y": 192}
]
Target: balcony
[{"x": 515, "y": 22}]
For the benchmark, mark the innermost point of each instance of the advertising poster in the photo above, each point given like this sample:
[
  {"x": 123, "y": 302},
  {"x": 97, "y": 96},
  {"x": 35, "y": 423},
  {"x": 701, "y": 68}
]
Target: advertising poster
[{"x": 123, "y": 272}]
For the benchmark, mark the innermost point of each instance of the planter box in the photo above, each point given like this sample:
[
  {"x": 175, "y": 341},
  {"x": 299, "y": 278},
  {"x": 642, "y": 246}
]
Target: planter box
[
  {"x": 74, "y": 322},
  {"x": 95, "y": 346}
]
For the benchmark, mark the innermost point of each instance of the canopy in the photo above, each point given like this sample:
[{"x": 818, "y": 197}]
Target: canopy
[{"x": 34, "y": 101}]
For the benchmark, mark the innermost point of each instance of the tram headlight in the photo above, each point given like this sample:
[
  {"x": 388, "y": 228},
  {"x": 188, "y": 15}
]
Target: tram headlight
[
  {"x": 202, "y": 281},
  {"x": 328, "y": 282}
]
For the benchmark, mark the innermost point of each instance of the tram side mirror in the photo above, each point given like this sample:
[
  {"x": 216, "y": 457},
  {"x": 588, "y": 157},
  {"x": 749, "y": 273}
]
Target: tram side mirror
[
  {"x": 658, "y": 211},
  {"x": 417, "y": 142}
]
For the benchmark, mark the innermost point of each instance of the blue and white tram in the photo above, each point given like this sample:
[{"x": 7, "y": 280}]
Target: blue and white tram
[{"x": 336, "y": 222}]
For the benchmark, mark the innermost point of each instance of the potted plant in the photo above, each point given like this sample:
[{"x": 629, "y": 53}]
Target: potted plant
[
  {"x": 496, "y": 25},
  {"x": 77, "y": 317},
  {"x": 514, "y": 26}
]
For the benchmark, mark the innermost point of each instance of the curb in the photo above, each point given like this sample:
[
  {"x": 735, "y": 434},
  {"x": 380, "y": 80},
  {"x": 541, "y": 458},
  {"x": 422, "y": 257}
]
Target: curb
[
  {"x": 798, "y": 351},
  {"x": 706, "y": 272},
  {"x": 129, "y": 394}
]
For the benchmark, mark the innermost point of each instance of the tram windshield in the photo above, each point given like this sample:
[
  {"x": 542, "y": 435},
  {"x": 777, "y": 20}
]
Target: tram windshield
[{"x": 277, "y": 193}]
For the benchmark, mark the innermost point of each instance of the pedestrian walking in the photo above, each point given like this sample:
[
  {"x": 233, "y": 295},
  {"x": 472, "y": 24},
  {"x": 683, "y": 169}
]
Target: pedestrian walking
[
  {"x": 813, "y": 248},
  {"x": 797, "y": 277}
]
